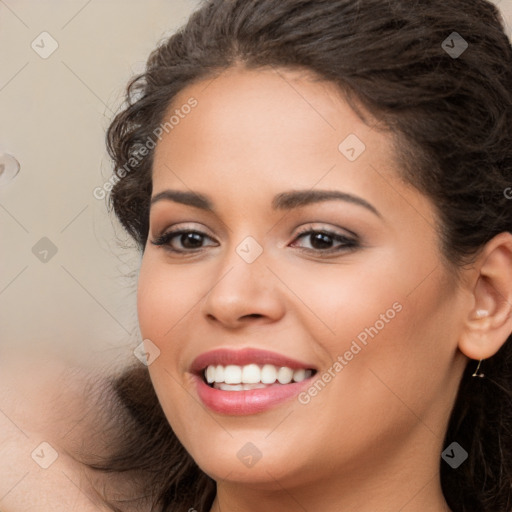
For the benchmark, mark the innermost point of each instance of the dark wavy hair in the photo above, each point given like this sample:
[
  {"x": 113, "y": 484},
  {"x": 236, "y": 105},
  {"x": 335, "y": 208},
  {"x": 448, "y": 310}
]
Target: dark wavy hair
[{"x": 450, "y": 120}]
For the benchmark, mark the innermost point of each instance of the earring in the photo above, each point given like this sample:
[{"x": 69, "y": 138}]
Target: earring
[
  {"x": 477, "y": 368},
  {"x": 480, "y": 313}
]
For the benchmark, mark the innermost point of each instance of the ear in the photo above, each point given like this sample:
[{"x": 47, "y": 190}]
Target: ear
[{"x": 489, "y": 322}]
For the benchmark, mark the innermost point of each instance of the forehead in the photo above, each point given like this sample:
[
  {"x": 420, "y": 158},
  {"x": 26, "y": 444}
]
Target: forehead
[{"x": 266, "y": 123}]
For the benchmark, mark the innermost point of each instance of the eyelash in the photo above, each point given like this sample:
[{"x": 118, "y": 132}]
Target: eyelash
[{"x": 347, "y": 243}]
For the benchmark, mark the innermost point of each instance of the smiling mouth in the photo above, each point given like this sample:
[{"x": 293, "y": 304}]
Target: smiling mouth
[{"x": 252, "y": 376}]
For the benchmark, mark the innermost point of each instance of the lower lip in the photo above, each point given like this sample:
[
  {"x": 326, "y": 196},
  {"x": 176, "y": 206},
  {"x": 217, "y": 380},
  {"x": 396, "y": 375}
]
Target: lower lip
[{"x": 247, "y": 402}]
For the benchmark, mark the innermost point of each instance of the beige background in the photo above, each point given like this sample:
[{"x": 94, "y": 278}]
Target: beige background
[{"x": 80, "y": 304}]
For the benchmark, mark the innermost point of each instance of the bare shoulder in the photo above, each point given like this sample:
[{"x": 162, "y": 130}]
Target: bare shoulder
[{"x": 47, "y": 410}]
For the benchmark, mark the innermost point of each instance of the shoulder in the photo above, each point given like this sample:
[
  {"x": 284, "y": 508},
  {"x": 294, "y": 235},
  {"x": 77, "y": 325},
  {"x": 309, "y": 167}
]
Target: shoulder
[{"x": 47, "y": 410}]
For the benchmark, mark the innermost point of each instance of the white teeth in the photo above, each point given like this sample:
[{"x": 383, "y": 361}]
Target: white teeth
[
  {"x": 232, "y": 374},
  {"x": 299, "y": 375},
  {"x": 232, "y": 387},
  {"x": 238, "y": 387},
  {"x": 210, "y": 374},
  {"x": 252, "y": 375},
  {"x": 285, "y": 375},
  {"x": 219, "y": 373},
  {"x": 268, "y": 374}
]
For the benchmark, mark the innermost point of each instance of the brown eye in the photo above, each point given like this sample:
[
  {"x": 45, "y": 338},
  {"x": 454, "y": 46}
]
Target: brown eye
[
  {"x": 190, "y": 240},
  {"x": 323, "y": 241}
]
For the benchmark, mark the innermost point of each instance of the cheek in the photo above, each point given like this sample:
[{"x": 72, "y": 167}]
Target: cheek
[
  {"x": 339, "y": 301},
  {"x": 165, "y": 295},
  {"x": 392, "y": 353}
]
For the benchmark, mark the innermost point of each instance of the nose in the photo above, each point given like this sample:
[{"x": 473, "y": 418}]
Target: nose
[{"x": 243, "y": 293}]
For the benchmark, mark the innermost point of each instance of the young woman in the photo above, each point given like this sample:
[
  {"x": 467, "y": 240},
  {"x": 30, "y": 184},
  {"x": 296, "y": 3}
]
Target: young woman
[{"x": 321, "y": 194}]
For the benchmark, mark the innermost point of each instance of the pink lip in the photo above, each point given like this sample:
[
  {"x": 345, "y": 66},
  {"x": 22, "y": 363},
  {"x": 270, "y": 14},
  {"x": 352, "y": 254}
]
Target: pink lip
[
  {"x": 251, "y": 401},
  {"x": 247, "y": 402}
]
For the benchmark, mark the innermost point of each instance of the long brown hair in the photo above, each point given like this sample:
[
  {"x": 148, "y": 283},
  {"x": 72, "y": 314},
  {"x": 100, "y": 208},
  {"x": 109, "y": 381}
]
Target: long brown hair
[{"x": 451, "y": 121}]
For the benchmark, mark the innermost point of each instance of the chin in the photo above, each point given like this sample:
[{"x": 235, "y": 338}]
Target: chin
[{"x": 246, "y": 462}]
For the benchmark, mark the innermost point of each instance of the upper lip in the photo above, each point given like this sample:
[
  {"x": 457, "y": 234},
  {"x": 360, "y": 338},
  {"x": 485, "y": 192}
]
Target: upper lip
[{"x": 224, "y": 356}]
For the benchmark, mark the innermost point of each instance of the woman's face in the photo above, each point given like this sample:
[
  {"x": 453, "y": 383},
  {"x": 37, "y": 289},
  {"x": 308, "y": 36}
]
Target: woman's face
[{"x": 364, "y": 300}]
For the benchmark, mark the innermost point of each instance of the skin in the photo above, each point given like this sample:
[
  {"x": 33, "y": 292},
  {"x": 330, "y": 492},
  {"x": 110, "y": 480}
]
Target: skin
[
  {"x": 54, "y": 405},
  {"x": 371, "y": 439}
]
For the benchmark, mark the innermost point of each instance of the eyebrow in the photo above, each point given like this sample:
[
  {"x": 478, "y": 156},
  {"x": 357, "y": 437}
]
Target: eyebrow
[{"x": 283, "y": 201}]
